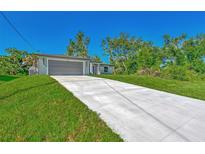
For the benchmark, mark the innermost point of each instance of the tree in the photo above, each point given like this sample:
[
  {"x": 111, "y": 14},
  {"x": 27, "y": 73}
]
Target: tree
[
  {"x": 148, "y": 57},
  {"x": 78, "y": 46},
  {"x": 30, "y": 60},
  {"x": 194, "y": 49},
  {"x": 96, "y": 59},
  {"x": 71, "y": 48},
  {"x": 172, "y": 49},
  {"x": 178, "y": 58},
  {"x": 14, "y": 62},
  {"x": 119, "y": 49},
  {"x": 107, "y": 45},
  {"x": 127, "y": 53}
]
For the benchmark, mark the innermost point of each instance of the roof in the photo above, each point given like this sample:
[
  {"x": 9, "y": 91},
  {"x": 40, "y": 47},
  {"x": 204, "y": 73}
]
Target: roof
[
  {"x": 61, "y": 56},
  {"x": 106, "y": 64},
  {"x": 70, "y": 57},
  {"x": 102, "y": 63}
]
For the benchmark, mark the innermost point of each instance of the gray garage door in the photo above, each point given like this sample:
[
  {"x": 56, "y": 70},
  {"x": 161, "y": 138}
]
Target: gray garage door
[{"x": 65, "y": 67}]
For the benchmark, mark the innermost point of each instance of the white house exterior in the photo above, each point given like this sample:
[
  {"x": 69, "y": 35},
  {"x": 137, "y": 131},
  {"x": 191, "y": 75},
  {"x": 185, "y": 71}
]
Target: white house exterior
[
  {"x": 101, "y": 68},
  {"x": 66, "y": 65}
]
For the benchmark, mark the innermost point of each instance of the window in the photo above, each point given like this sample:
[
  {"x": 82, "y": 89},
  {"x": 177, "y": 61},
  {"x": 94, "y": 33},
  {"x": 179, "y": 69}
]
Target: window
[{"x": 106, "y": 69}]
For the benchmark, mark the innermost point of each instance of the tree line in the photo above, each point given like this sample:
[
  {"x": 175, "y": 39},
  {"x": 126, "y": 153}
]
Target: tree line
[{"x": 178, "y": 58}]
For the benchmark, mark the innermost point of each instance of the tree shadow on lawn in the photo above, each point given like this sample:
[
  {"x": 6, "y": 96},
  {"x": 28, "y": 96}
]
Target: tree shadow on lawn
[
  {"x": 25, "y": 89},
  {"x": 7, "y": 77}
]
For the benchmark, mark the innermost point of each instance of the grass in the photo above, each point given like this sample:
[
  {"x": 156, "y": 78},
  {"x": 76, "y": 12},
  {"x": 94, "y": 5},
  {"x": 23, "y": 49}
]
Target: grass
[
  {"x": 6, "y": 78},
  {"x": 37, "y": 108},
  {"x": 194, "y": 89}
]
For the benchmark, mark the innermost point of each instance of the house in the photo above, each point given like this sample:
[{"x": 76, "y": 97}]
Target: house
[{"x": 67, "y": 65}]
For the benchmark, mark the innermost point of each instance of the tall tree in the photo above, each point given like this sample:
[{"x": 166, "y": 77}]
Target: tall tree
[
  {"x": 71, "y": 48},
  {"x": 96, "y": 59},
  {"x": 118, "y": 50},
  {"x": 78, "y": 46},
  {"x": 125, "y": 53},
  {"x": 172, "y": 49},
  {"x": 149, "y": 57},
  {"x": 194, "y": 49},
  {"x": 106, "y": 45}
]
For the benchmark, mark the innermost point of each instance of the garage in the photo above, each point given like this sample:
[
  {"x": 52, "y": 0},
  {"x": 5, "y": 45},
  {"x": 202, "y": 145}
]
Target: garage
[{"x": 56, "y": 67}]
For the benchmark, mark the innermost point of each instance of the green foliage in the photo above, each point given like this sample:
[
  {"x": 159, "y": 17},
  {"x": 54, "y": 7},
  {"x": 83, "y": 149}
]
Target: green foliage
[
  {"x": 96, "y": 59},
  {"x": 125, "y": 53},
  {"x": 178, "y": 73},
  {"x": 194, "y": 49},
  {"x": 38, "y": 108},
  {"x": 6, "y": 78},
  {"x": 148, "y": 57},
  {"x": 149, "y": 72},
  {"x": 131, "y": 65},
  {"x": 79, "y": 46},
  {"x": 13, "y": 63},
  {"x": 179, "y": 58}
]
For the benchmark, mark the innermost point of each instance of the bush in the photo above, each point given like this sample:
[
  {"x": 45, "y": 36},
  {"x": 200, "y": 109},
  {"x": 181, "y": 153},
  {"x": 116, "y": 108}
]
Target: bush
[
  {"x": 119, "y": 70},
  {"x": 16, "y": 62},
  {"x": 149, "y": 71},
  {"x": 178, "y": 73}
]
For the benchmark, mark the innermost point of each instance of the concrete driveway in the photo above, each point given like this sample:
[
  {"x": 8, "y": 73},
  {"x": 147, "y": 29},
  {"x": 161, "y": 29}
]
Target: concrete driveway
[{"x": 137, "y": 113}]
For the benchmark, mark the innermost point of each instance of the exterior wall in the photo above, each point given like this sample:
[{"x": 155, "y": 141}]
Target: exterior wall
[
  {"x": 110, "y": 69},
  {"x": 42, "y": 68},
  {"x": 95, "y": 68},
  {"x": 99, "y": 68},
  {"x": 87, "y": 69},
  {"x": 91, "y": 68}
]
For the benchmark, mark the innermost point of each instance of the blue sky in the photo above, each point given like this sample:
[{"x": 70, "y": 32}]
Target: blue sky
[{"x": 49, "y": 32}]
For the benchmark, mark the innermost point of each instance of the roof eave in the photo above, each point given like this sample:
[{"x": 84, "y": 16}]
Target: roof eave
[{"x": 59, "y": 56}]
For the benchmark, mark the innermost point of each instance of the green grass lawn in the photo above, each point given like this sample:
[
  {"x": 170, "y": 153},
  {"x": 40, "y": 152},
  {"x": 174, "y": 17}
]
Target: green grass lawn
[
  {"x": 195, "y": 89},
  {"x": 37, "y": 108},
  {"x": 6, "y": 78}
]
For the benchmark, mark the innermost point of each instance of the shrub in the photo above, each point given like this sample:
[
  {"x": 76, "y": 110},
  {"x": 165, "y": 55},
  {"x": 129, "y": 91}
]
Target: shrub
[
  {"x": 16, "y": 62},
  {"x": 149, "y": 71},
  {"x": 119, "y": 70},
  {"x": 178, "y": 73}
]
